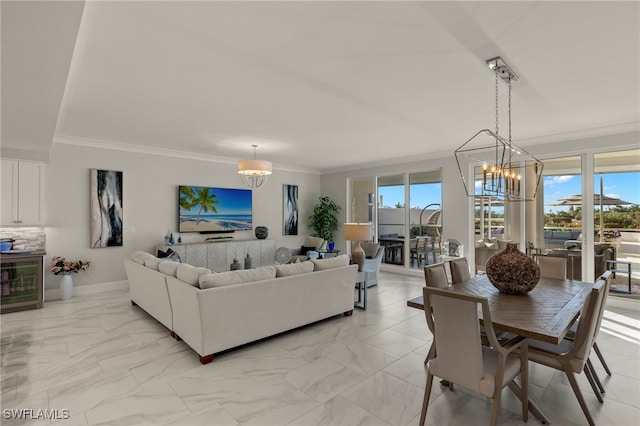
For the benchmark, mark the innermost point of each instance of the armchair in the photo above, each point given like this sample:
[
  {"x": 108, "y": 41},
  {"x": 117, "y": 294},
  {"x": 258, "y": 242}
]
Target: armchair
[{"x": 374, "y": 253}]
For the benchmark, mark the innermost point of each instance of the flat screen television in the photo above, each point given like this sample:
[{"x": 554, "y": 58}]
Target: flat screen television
[{"x": 203, "y": 209}]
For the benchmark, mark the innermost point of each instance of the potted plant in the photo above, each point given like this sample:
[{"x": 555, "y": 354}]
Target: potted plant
[{"x": 324, "y": 219}]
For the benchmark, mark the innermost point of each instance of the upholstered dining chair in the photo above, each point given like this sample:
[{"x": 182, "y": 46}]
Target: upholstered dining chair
[
  {"x": 436, "y": 276},
  {"x": 553, "y": 266},
  {"x": 569, "y": 356},
  {"x": 459, "y": 270},
  {"x": 462, "y": 359},
  {"x": 571, "y": 335}
]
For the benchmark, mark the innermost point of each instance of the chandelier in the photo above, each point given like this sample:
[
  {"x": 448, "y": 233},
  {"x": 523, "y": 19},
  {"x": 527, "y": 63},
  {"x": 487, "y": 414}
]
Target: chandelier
[
  {"x": 254, "y": 172},
  {"x": 508, "y": 173}
]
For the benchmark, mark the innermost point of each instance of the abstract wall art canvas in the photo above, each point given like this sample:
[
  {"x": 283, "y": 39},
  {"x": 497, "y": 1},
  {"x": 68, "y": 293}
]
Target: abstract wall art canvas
[
  {"x": 290, "y": 209},
  {"x": 106, "y": 208}
]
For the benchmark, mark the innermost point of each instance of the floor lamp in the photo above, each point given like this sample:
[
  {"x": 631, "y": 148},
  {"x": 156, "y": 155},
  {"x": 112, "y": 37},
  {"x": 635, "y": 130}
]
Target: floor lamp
[{"x": 357, "y": 232}]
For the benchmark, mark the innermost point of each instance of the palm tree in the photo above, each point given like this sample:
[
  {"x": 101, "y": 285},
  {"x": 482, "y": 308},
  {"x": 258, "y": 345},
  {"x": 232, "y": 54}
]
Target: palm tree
[
  {"x": 206, "y": 200},
  {"x": 201, "y": 196},
  {"x": 186, "y": 197}
]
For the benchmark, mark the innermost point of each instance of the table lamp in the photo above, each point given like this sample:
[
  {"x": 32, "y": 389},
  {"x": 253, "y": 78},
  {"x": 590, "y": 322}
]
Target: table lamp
[{"x": 357, "y": 232}]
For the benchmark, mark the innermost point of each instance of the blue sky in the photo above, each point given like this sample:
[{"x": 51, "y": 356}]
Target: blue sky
[
  {"x": 625, "y": 186},
  {"x": 232, "y": 201},
  {"x": 421, "y": 195}
]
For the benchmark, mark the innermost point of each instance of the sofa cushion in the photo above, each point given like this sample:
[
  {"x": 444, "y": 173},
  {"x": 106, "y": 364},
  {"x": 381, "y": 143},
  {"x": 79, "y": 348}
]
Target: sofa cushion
[
  {"x": 332, "y": 262},
  {"x": 152, "y": 263},
  {"x": 237, "y": 277},
  {"x": 168, "y": 267},
  {"x": 140, "y": 256},
  {"x": 563, "y": 235},
  {"x": 315, "y": 242},
  {"x": 190, "y": 274},
  {"x": 294, "y": 269}
]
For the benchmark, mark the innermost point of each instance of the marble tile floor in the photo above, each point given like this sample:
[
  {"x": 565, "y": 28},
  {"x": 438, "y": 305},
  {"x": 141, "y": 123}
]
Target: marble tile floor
[{"x": 107, "y": 362}]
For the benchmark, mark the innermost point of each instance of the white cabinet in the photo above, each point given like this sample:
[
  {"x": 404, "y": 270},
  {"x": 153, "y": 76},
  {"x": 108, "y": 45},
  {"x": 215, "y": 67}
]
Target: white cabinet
[
  {"x": 218, "y": 255},
  {"x": 22, "y": 192}
]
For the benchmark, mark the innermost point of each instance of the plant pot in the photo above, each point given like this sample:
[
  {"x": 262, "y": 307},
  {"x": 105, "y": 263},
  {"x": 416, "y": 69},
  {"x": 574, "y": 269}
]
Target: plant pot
[{"x": 513, "y": 272}]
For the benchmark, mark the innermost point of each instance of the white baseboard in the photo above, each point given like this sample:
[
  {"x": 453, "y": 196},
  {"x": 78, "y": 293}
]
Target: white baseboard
[{"x": 54, "y": 293}]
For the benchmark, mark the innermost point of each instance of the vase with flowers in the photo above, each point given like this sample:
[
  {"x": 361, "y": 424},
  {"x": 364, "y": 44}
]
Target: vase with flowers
[{"x": 59, "y": 265}]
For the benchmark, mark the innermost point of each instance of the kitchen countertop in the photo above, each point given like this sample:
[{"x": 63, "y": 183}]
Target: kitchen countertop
[{"x": 22, "y": 253}]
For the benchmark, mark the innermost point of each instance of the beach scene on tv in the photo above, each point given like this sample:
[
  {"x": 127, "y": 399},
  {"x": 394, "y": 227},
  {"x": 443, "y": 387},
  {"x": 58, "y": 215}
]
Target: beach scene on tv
[{"x": 214, "y": 209}]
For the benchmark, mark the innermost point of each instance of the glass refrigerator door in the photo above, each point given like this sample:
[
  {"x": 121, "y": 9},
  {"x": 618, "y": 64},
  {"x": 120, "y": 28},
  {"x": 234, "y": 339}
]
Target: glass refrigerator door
[{"x": 20, "y": 284}]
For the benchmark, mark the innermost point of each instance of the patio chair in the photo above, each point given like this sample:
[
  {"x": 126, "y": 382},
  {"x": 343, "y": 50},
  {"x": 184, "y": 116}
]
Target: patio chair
[{"x": 462, "y": 359}]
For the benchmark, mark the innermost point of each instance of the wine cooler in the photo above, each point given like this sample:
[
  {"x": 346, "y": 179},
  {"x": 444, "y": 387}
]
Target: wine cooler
[{"x": 21, "y": 282}]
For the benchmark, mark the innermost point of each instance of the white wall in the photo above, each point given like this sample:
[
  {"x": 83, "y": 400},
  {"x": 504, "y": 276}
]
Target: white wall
[{"x": 150, "y": 192}]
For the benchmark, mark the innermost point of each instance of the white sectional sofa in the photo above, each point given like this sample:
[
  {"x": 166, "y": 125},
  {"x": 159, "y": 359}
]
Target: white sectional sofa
[{"x": 238, "y": 307}]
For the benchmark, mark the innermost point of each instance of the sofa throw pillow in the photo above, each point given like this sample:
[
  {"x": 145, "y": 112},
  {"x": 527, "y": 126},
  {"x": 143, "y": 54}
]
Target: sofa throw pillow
[
  {"x": 305, "y": 249},
  {"x": 169, "y": 255},
  {"x": 152, "y": 263},
  {"x": 140, "y": 256},
  {"x": 294, "y": 269},
  {"x": 190, "y": 274},
  {"x": 315, "y": 242},
  {"x": 237, "y": 277},
  {"x": 168, "y": 267},
  {"x": 332, "y": 262}
]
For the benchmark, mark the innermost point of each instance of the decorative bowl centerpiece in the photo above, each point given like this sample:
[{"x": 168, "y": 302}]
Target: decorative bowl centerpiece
[{"x": 513, "y": 272}]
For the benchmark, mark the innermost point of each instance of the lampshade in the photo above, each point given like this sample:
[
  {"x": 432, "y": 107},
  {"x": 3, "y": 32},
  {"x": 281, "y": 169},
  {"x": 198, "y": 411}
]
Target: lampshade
[
  {"x": 254, "y": 167},
  {"x": 357, "y": 231},
  {"x": 254, "y": 172}
]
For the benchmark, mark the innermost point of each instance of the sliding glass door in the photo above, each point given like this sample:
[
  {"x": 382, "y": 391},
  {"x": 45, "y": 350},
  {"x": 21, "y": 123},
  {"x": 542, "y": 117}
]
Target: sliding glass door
[{"x": 406, "y": 212}]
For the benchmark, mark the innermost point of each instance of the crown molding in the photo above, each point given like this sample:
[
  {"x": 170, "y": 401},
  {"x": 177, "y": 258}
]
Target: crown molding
[{"x": 164, "y": 152}]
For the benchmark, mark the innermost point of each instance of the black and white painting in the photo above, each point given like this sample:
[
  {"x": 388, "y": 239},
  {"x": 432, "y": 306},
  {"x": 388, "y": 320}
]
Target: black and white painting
[
  {"x": 106, "y": 208},
  {"x": 290, "y": 209}
]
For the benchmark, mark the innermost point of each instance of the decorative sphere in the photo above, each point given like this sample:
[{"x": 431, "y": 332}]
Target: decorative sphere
[
  {"x": 262, "y": 232},
  {"x": 513, "y": 272}
]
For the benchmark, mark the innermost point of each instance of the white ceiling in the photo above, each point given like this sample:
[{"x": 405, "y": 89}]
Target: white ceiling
[{"x": 320, "y": 85}]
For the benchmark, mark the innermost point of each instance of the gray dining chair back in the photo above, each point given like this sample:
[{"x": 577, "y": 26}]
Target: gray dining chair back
[
  {"x": 461, "y": 358},
  {"x": 571, "y": 357},
  {"x": 436, "y": 276},
  {"x": 459, "y": 270}
]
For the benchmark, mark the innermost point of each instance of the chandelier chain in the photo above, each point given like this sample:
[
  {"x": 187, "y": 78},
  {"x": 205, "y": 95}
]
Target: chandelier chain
[{"x": 497, "y": 104}]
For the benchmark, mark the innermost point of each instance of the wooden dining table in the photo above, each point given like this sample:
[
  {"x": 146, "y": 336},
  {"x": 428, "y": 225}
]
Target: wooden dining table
[{"x": 545, "y": 313}]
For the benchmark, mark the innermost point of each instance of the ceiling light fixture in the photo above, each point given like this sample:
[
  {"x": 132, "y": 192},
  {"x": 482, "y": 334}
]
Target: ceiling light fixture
[
  {"x": 509, "y": 173},
  {"x": 254, "y": 172}
]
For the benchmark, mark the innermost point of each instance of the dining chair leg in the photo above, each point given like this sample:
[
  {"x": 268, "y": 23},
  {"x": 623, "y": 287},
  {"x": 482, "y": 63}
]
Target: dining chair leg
[
  {"x": 595, "y": 375},
  {"x": 587, "y": 372},
  {"x": 425, "y": 401},
  {"x": 601, "y": 358},
  {"x": 497, "y": 397},
  {"x": 578, "y": 394},
  {"x": 432, "y": 352}
]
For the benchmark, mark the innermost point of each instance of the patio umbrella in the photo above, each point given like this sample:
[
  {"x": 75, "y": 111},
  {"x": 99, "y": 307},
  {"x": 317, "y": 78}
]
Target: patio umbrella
[
  {"x": 604, "y": 200},
  {"x": 598, "y": 199}
]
